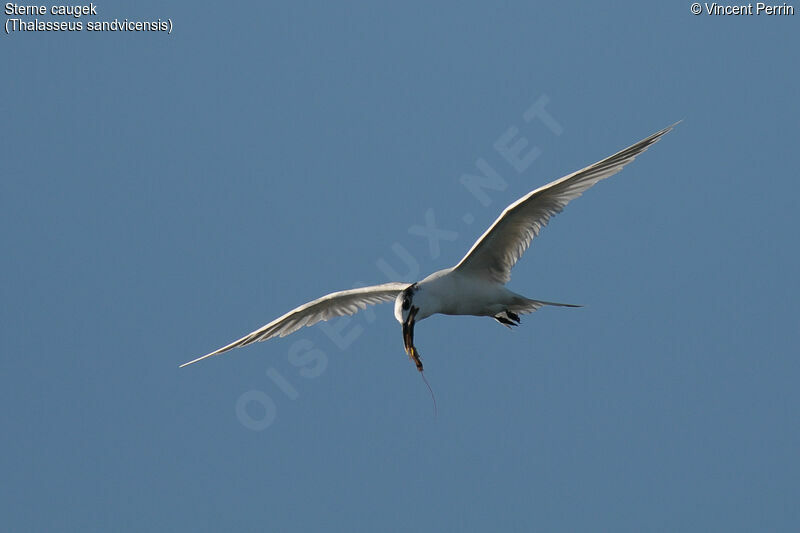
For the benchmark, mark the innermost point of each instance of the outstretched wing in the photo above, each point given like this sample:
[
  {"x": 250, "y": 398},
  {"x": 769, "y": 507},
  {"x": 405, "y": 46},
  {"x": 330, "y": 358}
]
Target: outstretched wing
[
  {"x": 332, "y": 305},
  {"x": 496, "y": 251}
]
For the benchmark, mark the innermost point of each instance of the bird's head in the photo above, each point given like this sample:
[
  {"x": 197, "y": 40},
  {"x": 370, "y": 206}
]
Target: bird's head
[{"x": 403, "y": 305}]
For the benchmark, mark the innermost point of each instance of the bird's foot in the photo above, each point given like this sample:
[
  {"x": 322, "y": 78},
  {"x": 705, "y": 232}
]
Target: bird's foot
[{"x": 508, "y": 318}]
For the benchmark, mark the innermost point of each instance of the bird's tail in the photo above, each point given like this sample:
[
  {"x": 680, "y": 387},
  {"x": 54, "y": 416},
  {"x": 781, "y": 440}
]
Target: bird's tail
[{"x": 526, "y": 305}]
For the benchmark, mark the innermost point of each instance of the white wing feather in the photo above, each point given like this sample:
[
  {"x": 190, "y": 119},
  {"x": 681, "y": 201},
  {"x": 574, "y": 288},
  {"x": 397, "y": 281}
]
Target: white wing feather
[
  {"x": 500, "y": 247},
  {"x": 332, "y": 305}
]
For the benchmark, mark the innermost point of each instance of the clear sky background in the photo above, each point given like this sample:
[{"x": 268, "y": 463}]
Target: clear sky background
[{"x": 162, "y": 195}]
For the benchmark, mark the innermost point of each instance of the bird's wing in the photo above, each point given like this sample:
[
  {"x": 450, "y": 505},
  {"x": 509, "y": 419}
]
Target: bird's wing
[
  {"x": 332, "y": 305},
  {"x": 500, "y": 247}
]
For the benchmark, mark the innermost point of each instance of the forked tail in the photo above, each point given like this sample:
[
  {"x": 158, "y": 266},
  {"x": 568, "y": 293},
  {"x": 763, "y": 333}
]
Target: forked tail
[
  {"x": 509, "y": 317},
  {"x": 526, "y": 305}
]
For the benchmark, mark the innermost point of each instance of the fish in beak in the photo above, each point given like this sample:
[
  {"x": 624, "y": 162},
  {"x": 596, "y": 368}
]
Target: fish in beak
[{"x": 408, "y": 338}]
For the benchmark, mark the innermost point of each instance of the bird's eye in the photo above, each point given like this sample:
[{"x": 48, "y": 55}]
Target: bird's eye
[{"x": 406, "y": 302}]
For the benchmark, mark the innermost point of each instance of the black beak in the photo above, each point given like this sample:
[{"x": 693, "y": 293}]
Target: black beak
[{"x": 408, "y": 338}]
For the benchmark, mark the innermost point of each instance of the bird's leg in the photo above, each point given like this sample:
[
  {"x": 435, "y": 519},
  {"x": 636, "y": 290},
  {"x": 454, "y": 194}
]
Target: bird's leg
[
  {"x": 503, "y": 320},
  {"x": 510, "y": 318}
]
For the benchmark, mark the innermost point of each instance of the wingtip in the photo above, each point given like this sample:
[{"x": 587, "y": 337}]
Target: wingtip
[
  {"x": 669, "y": 128},
  {"x": 196, "y": 360},
  {"x": 654, "y": 138}
]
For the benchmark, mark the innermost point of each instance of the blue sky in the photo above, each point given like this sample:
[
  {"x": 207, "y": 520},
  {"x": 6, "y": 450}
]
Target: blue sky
[{"x": 161, "y": 195}]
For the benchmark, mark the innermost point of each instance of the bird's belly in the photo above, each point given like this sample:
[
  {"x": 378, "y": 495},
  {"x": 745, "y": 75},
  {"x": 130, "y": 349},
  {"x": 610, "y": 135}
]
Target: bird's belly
[
  {"x": 474, "y": 309},
  {"x": 475, "y": 300}
]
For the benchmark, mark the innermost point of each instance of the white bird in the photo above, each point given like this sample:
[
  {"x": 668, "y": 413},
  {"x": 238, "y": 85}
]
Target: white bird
[{"x": 476, "y": 285}]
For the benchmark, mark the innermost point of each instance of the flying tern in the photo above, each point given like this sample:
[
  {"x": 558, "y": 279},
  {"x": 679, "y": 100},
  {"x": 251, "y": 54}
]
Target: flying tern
[{"x": 476, "y": 285}]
